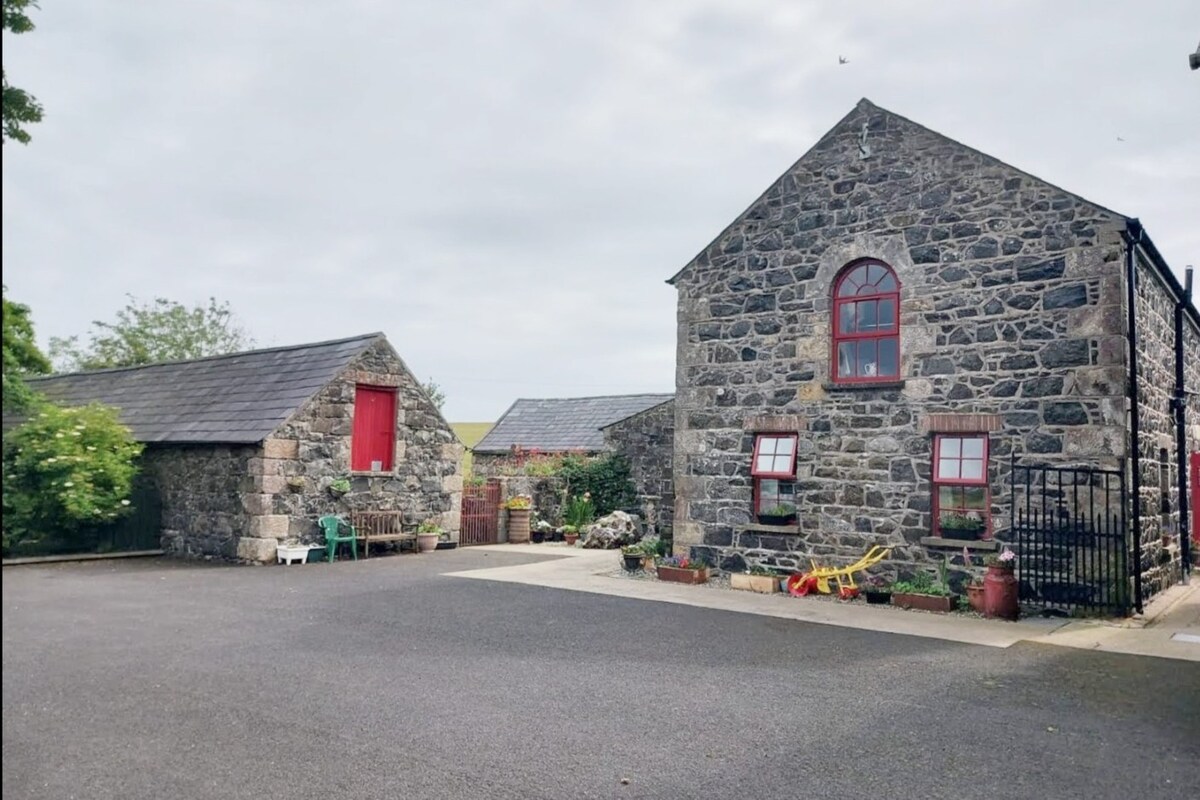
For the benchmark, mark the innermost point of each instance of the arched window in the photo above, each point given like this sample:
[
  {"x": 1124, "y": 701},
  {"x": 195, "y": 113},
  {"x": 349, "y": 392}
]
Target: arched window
[{"x": 866, "y": 324}]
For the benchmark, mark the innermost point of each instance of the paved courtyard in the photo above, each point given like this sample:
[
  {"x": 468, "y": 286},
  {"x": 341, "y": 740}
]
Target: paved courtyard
[{"x": 388, "y": 678}]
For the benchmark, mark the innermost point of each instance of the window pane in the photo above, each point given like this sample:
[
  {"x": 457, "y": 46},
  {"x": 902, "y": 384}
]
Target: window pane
[
  {"x": 948, "y": 497},
  {"x": 787, "y": 492},
  {"x": 972, "y": 470},
  {"x": 766, "y": 445},
  {"x": 867, "y": 290},
  {"x": 975, "y": 497},
  {"x": 782, "y": 464},
  {"x": 950, "y": 447},
  {"x": 846, "y": 312},
  {"x": 867, "y": 313},
  {"x": 972, "y": 448},
  {"x": 947, "y": 469},
  {"x": 887, "y": 314},
  {"x": 887, "y": 358},
  {"x": 846, "y": 359},
  {"x": 888, "y": 284},
  {"x": 867, "y": 365},
  {"x": 874, "y": 273},
  {"x": 763, "y": 462},
  {"x": 784, "y": 446}
]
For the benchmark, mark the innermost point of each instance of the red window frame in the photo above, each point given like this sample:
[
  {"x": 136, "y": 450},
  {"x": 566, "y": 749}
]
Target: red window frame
[
  {"x": 859, "y": 283},
  {"x": 784, "y": 473},
  {"x": 959, "y": 483},
  {"x": 373, "y": 435}
]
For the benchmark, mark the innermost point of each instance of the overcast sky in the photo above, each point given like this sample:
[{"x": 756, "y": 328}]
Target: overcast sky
[{"x": 503, "y": 187}]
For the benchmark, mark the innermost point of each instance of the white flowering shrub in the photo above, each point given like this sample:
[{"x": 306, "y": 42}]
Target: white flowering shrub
[{"x": 66, "y": 469}]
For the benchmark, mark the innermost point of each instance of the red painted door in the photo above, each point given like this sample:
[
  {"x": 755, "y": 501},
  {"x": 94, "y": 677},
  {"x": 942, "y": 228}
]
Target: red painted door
[
  {"x": 372, "y": 443},
  {"x": 1194, "y": 498}
]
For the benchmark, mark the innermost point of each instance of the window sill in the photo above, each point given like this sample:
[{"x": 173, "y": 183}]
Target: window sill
[
  {"x": 959, "y": 544},
  {"x": 865, "y": 386},
  {"x": 757, "y": 527},
  {"x": 370, "y": 474}
]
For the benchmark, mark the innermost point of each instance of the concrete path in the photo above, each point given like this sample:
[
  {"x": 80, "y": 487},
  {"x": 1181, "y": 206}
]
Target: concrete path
[{"x": 575, "y": 569}]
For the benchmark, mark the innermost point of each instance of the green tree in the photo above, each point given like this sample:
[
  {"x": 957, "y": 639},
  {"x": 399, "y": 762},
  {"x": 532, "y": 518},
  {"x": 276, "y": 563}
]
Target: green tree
[
  {"x": 66, "y": 469},
  {"x": 146, "y": 333},
  {"x": 20, "y": 107},
  {"x": 435, "y": 393},
  {"x": 21, "y": 355}
]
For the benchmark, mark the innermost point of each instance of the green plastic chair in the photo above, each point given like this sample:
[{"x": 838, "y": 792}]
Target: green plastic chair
[{"x": 332, "y": 527}]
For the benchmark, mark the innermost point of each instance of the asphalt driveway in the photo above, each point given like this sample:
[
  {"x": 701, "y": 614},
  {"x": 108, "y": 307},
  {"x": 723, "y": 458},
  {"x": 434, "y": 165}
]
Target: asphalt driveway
[{"x": 384, "y": 678}]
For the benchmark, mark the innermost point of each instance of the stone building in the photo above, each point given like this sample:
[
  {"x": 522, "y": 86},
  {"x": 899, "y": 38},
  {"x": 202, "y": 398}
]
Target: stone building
[
  {"x": 891, "y": 327},
  {"x": 646, "y": 440},
  {"x": 242, "y": 448}
]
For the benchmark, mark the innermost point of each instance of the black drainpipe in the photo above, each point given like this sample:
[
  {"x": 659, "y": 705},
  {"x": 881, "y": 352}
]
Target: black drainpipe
[
  {"x": 1179, "y": 403},
  {"x": 1132, "y": 236}
]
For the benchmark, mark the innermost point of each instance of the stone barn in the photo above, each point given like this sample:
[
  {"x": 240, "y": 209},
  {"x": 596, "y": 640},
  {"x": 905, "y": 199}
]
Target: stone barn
[
  {"x": 909, "y": 343},
  {"x": 243, "y": 448}
]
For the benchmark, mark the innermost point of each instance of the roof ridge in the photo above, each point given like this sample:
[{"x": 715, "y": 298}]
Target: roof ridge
[
  {"x": 106, "y": 370},
  {"x": 600, "y": 396}
]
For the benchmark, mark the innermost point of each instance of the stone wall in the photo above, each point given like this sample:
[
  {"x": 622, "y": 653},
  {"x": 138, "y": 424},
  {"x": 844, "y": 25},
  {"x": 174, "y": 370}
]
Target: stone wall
[
  {"x": 1011, "y": 307},
  {"x": 1158, "y": 449},
  {"x": 202, "y": 488},
  {"x": 290, "y": 481},
  {"x": 646, "y": 441}
]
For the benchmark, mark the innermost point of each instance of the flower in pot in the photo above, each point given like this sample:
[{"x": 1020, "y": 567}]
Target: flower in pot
[
  {"x": 877, "y": 590},
  {"x": 966, "y": 527},
  {"x": 1000, "y": 588},
  {"x": 519, "y": 508},
  {"x": 570, "y": 534},
  {"x": 541, "y": 531},
  {"x": 782, "y": 514},
  {"x": 922, "y": 592},
  {"x": 631, "y": 557},
  {"x": 681, "y": 569},
  {"x": 428, "y": 533}
]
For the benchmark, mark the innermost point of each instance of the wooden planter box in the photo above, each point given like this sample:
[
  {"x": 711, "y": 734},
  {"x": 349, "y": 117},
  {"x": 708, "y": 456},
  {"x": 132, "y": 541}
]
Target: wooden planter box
[
  {"x": 763, "y": 584},
  {"x": 680, "y": 575},
  {"x": 923, "y": 602}
]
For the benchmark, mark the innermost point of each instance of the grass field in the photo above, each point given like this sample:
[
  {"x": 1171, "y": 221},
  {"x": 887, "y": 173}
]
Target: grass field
[{"x": 470, "y": 433}]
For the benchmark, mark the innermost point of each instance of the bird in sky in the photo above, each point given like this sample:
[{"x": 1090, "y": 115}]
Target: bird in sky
[
  {"x": 1119, "y": 139},
  {"x": 843, "y": 60}
]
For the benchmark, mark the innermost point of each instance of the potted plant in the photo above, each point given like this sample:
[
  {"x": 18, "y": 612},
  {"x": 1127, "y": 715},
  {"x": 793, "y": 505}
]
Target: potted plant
[
  {"x": 519, "y": 510},
  {"x": 922, "y": 592},
  {"x": 541, "y": 531},
  {"x": 1000, "y": 596},
  {"x": 975, "y": 595},
  {"x": 756, "y": 578},
  {"x": 877, "y": 590},
  {"x": 340, "y": 487},
  {"x": 428, "y": 533},
  {"x": 631, "y": 557},
  {"x": 681, "y": 569},
  {"x": 965, "y": 527},
  {"x": 570, "y": 534},
  {"x": 782, "y": 514}
]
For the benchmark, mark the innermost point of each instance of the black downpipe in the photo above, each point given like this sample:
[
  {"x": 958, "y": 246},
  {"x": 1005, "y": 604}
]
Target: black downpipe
[
  {"x": 1133, "y": 235},
  {"x": 1180, "y": 408}
]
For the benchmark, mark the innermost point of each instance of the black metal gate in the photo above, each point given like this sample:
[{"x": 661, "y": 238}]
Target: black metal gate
[{"x": 1069, "y": 530}]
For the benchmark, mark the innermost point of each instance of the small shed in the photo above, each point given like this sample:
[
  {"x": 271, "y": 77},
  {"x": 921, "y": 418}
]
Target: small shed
[{"x": 242, "y": 448}]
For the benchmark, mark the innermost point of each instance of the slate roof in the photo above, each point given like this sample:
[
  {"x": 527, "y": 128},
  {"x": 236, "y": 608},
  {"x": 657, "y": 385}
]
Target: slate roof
[
  {"x": 556, "y": 425},
  {"x": 238, "y": 398}
]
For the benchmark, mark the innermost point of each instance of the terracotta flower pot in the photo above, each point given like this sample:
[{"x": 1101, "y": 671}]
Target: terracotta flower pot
[
  {"x": 975, "y": 597},
  {"x": 923, "y": 602},
  {"x": 427, "y": 542},
  {"x": 571, "y": 538}
]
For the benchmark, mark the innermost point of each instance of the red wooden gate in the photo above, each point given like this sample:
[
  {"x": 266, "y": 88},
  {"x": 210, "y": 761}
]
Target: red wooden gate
[{"x": 480, "y": 510}]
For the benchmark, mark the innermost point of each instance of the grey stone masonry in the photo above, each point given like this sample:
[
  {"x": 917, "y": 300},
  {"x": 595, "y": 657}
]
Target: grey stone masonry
[
  {"x": 646, "y": 441},
  {"x": 1011, "y": 311},
  {"x": 201, "y": 488},
  {"x": 312, "y": 449}
]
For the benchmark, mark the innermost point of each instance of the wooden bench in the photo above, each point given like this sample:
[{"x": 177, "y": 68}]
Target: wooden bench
[{"x": 380, "y": 526}]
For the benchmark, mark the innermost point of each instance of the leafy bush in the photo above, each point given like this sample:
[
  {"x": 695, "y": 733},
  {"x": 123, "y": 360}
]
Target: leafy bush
[
  {"x": 579, "y": 511},
  {"x": 66, "y": 469},
  {"x": 607, "y": 479}
]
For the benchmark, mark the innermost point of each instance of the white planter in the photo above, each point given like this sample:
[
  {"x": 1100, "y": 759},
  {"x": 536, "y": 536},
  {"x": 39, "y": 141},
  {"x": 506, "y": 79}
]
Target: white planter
[{"x": 290, "y": 553}]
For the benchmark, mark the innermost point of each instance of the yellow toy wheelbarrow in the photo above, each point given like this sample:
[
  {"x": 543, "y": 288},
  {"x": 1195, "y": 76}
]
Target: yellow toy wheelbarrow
[{"x": 818, "y": 578}]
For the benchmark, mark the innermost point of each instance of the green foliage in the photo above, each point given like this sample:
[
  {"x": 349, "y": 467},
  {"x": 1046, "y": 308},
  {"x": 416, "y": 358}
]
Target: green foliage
[
  {"x": 606, "y": 479},
  {"x": 340, "y": 486},
  {"x": 921, "y": 583},
  {"x": 781, "y": 510},
  {"x": 579, "y": 511},
  {"x": 436, "y": 395},
  {"x": 430, "y": 526},
  {"x": 21, "y": 354},
  {"x": 65, "y": 469},
  {"x": 147, "y": 333},
  {"x": 759, "y": 569},
  {"x": 20, "y": 107}
]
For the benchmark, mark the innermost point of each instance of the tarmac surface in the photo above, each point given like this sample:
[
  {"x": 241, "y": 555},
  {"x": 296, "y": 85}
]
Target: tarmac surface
[{"x": 392, "y": 678}]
